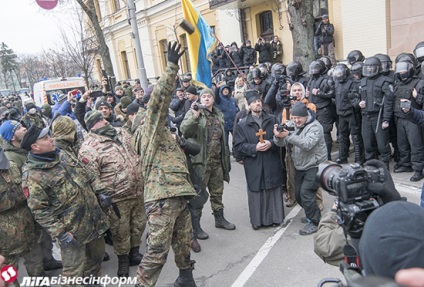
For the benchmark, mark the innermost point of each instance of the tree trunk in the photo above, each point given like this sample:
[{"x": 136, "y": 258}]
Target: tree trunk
[
  {"x": 302, "y": 28},
  {"x": 103, "y": 48}
]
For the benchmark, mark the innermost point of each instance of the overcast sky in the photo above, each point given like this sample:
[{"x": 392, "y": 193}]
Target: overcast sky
[{"x": 27, "y": 28}]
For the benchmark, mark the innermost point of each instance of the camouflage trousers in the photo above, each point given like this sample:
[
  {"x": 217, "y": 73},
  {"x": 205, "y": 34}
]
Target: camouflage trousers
[
  {"x": 127, "y": 230},
  {"x": 169, "y": 225},
  {"x": 83, "y": 260},
  {"x": 33, "y": 262},
  {"x": 213, "y": 179}
]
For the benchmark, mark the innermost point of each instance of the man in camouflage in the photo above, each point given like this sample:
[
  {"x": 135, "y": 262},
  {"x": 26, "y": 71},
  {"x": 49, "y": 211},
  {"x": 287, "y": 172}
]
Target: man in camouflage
[
  {"x": 33, "y": 117},
  {"x": 62, "y": 201},
  {"x": 167, "y": 186},
  {"x": 12, "y": 133},
  {"x": 17, "y": 226},
  {"x": 107, "y": 152}
]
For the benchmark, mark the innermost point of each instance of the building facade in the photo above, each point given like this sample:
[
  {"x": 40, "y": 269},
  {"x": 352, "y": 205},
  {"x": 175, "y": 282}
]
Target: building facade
[{"x": 378, "y": 26}]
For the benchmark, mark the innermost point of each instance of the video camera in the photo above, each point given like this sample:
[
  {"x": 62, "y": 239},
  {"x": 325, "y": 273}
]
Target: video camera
[
  {"x": 282, "y": 127},
  {"x": 197, "y": 107},
  {"x": 350, "y": 184}
]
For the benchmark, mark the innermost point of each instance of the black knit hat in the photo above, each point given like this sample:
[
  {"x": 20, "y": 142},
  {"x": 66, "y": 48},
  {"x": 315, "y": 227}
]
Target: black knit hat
[
  {"x": 191, "y": 90},
  {"x": 393, "y": 239},
  {"x": 102, "y": 103},
  {"x": 133, "y": 108},
  {"x": 33, "y": 134},
  {"x": 299, "y": 109}
]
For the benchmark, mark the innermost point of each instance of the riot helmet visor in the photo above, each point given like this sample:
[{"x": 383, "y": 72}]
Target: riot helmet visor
[
  {"x": 371, "y": 70},
  {"x": 419, "y": 54},
  {"x": 339, "y": 74}
]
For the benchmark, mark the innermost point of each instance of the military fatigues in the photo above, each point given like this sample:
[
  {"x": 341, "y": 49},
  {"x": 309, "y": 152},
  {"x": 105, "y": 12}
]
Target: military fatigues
[
  {"x": 17, "y": 226},
  {"x": 212, "y": 164},
  {"x": 18, "y": 156},
  {"x": 61, "y": 200},
  {"x": 377, "y": 93},
  {"x": 33, "y": 119},
  {"x": 167, "y": 186},
  {"x": 118, "y": 170},
  {"x": 409, "y": 135},
  {"x": 326, "y": 113}
]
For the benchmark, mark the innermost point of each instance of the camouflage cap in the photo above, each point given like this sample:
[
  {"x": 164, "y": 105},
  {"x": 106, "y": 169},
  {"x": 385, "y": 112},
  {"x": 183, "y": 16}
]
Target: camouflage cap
[
  {"x": 91, "y": 118},
  {"x": 64, "y": 128},
  {"x": 125, "y": 102},
  {"x": 46, "y": 110}
]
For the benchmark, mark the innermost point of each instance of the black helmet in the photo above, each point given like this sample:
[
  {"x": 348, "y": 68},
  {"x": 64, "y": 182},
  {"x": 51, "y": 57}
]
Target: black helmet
[
  {"x": 404, "y": 70},
  {"x": 340, "y": 73},
  {"x": 372, "y": 67},
  {"x": 422, "y": 68},
  {"x": 355, "y": 56},
  {"x": 256, "y": 73},
  {"x": 386, "y": 62},
  {"x": 419, "y": 51},
  {"x": 356, "y": 69},
  {"x": 264, "y": 72},
  {"x": 277, "y": 71},
  {"x": 408, "y": 57},
  {"x": 327, "y": 62},
  {"x": 317, "y": 67},
  {"x": 294, "y": 69}
]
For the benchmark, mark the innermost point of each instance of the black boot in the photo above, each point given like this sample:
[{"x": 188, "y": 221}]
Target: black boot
[
  {"x": 135, "y": 256},
  {"x": 221, "y": 222},
  {"x": 123, "y": 266},
  {"x": 195, "y": 246},
  {"x": 106, "y": 257},
  {"x": 185, "y": 279},
  {"x": 50, "y": 263},
  {"x": 199, "y": 233},
  {"x": 358, "y": 147}
]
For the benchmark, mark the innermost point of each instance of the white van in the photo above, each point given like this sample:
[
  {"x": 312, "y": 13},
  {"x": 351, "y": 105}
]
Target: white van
[{"x": 44, "y": 89}]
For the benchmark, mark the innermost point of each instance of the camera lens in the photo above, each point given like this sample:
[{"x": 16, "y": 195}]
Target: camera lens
[{"x": 327, "y": 176}]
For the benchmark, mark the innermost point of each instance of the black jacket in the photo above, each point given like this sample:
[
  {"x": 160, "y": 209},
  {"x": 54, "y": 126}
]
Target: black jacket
[
  {"x": 262, "y": 169},
  {"x": 265, "y": 52}
]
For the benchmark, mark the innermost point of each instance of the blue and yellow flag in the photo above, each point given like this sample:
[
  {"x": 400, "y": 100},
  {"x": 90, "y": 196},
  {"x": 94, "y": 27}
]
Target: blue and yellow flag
[{"x": 201, "y": 43}]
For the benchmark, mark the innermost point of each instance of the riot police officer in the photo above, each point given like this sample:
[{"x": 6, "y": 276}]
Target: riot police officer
[
  {"x": 347, "y": 122},
  {"x": 377, "y": 109},
  {"x": 419, "y": 55},
  {"x": 355, "y": 56},
  {"x": 410, "y": 139},
  {"x": 296, "y": 74},
  {"x": 321, "y": 93}
]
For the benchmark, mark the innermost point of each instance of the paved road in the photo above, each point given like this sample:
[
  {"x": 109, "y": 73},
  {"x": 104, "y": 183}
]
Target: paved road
[{"x": 244, "y": 257}]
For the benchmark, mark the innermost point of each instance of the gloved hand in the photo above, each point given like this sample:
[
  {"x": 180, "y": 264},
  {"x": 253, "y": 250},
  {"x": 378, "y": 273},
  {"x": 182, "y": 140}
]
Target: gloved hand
[
  {"x": 104, "y": 200},
  {"x": 174, "y": 52},
  {"x": 386, "y": 189},
  {"x": 66, "y": 240}
]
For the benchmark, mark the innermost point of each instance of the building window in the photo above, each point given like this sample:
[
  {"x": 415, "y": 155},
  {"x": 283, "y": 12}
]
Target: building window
[
  {"x": 125, "y": 65},
  {"x": 266, "y": 25},
  {"x": 186, "y": 56},
  {"x": 163, "y": 45},
  {"x": 116, "y": 5}
]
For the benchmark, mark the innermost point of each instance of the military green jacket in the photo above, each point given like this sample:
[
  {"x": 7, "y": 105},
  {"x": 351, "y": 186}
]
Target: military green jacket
[
  {"x": 115, "y": 164},
  {"x": 17, "y": 226},
  {"x": 36, "y": 119},
  {"x": 193, "y": 127},
  {"x": 61, "y": 198},
  {"x": 15, "y": 154},
  {"x": 164, "y": 164}
]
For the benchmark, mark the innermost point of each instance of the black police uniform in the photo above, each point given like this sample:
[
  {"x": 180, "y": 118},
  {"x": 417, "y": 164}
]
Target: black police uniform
[
  {"x": 409, "y": 135},
  {"x": 377, "y": 92}
]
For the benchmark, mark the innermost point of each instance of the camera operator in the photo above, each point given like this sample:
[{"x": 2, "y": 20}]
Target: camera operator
[
  {"x": 307, "y": 148},
  {"x": 326, "y": 31},
  {"x": 265, "y": 51}
]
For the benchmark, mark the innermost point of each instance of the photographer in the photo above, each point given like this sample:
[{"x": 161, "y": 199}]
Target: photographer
[
  {"x": 265, "y": 51},
  {"x": 325, "y": 31},
  {"x": 307, "y": 148}
]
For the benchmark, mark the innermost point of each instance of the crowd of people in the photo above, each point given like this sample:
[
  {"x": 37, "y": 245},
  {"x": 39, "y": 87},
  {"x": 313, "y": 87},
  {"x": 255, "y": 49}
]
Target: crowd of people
[{"x": 110, "y": 164}]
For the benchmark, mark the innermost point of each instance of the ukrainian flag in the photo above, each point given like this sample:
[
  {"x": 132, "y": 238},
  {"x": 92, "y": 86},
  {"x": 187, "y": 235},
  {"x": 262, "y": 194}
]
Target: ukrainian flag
[{"x": 201, "y": 43}]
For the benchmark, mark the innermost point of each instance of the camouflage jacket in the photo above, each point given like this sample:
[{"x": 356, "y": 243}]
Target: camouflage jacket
[
  {"x": 36, "y": 119},
  {"x": 15, "y": 154},
  {"x": 196, "y": 128},
  {"x": 61, "y": 198},
  {"x": 115, "y": 164},
  {"x": 17, "y": 224},
  {"x": 164, "y": 164}
]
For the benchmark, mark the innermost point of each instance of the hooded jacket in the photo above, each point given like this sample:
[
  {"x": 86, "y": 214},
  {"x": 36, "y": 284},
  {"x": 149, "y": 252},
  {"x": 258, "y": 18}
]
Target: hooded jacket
[
  {"x": 306, "y": 145},
  {"x": 227, "y": 106}
]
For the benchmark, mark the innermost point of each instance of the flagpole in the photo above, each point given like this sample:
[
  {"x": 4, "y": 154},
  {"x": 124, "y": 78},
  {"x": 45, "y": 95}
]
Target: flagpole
[{"x": 231, "y": 59}]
